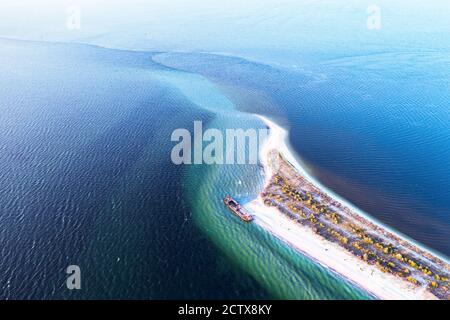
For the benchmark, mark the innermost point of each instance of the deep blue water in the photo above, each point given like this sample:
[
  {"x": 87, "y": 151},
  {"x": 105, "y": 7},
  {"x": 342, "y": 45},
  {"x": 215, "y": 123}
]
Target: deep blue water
[
  {"x": 85, "y": 174},
  {"x": 87, "y": 179}
]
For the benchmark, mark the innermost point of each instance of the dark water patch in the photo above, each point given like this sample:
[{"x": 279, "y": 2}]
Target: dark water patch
[{"x": 86, "y": 179}]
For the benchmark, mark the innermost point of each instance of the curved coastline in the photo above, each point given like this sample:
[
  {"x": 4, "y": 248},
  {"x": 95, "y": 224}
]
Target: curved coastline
[
  {"x": 385, "y": 286},
  {"x": 301, "y": 278},
  {"x": 287, "y": 151}
]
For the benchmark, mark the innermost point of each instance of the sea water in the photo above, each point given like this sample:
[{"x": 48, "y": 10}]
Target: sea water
[{"x": 85, "y": 143}]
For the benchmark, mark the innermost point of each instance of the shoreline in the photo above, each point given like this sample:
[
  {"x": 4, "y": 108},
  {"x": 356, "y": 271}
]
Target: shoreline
[
  {"x": 337, "y": 259},
  {"x": 332, "y": 257},
  {"x": 282, "y": 145}
]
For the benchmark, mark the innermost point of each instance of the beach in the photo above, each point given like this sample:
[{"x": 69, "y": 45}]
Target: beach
[{"x": 369, "y": 278}]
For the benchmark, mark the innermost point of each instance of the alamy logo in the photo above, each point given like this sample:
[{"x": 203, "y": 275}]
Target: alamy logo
[
  {"x": 73, "y": 21},
  {"x": 74, "y": 279},
  {"x": 214, "y": 146},
  {"x": 374, "y": 19}
]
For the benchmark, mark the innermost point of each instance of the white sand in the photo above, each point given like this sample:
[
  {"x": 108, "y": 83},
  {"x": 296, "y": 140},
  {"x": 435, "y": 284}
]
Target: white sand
[{"x": 326, "y": 253}]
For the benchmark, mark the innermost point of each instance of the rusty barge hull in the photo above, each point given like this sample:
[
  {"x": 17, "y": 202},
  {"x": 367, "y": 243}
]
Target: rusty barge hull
[{"x": 237, "y": 209}]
